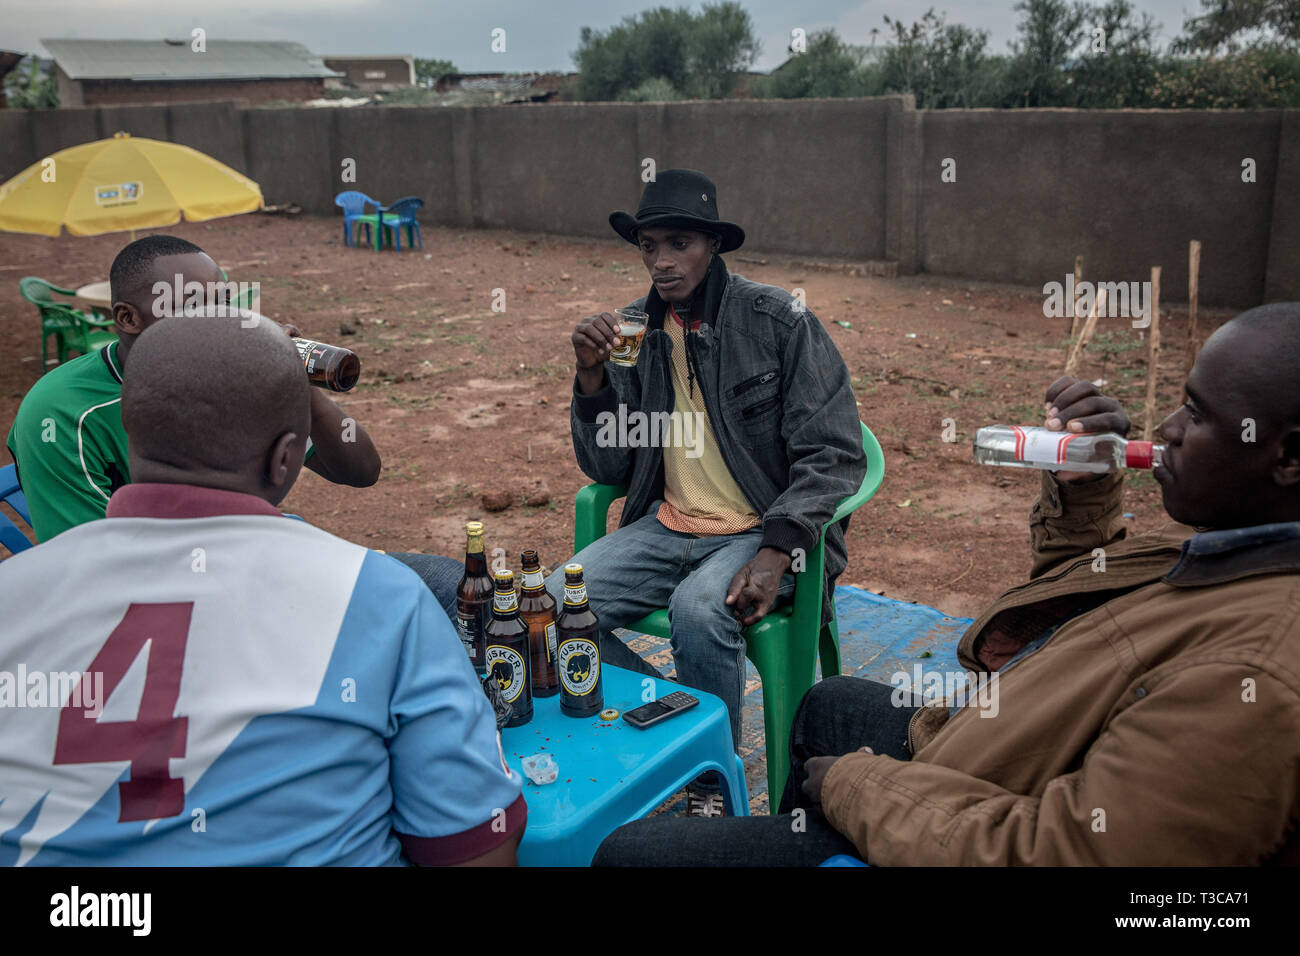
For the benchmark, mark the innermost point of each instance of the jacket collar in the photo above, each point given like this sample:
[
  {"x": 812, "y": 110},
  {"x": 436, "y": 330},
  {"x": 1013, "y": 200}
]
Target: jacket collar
[
  {"x": 704, "y": 303},
  {"x": 1213, "y": 557},
  {"x": 158, "y": 500}
]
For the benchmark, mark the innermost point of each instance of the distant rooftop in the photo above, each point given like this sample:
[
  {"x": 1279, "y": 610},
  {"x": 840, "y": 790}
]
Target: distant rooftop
[{"x": 145, "y": 60}]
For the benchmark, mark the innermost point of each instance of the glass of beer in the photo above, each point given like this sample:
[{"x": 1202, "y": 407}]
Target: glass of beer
[{"x": 631, "y": 329}]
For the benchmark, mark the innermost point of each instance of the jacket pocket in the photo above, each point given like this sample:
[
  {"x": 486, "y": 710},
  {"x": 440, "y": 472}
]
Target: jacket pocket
[
  {"x": 753, "y": 411},
  {"x": 757, "y": 380}
]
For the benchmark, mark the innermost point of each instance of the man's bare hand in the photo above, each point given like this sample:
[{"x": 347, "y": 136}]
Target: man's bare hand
[
  {"x": 1077, "y": 406},
  {"x": 753, "y": 590},
  {"x": 593, "y": 339}
]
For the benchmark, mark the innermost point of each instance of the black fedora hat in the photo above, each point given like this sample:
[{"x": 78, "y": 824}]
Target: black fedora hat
[{"x": 679, "y": 197}]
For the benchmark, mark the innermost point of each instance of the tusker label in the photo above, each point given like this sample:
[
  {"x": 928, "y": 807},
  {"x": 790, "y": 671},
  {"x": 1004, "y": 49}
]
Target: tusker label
[
  {"x": 508, "y": 669},
  {"x": 575, "y": 596},
  {"x": 579, "y": 666}
]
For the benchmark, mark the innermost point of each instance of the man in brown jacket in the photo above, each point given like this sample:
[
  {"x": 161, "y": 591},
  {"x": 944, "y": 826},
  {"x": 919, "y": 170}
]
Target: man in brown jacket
[{"x": 1147, "y": 689}]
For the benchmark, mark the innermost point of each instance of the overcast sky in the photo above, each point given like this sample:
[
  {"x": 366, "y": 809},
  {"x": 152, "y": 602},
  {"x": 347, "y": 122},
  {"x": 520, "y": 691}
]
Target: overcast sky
[{"x": 539, "y": 35}]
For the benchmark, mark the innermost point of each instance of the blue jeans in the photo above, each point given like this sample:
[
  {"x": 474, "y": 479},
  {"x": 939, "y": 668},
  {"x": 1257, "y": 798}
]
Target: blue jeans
[
  {"x": 837, "y": 716},
  {"x": 644, "y": 567},
  {"x": 441, "y": 575}
]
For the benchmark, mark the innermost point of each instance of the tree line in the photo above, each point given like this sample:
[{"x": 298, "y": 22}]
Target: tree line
[{"x": 1234, "y": 54}]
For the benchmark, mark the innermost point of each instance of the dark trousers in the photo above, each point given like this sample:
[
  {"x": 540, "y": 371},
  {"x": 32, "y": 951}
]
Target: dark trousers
[{"x": 837, "y": 716}]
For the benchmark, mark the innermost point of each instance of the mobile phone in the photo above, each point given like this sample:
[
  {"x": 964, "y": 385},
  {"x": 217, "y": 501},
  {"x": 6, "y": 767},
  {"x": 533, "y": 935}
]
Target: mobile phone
[{"x": 652, "y": 713}]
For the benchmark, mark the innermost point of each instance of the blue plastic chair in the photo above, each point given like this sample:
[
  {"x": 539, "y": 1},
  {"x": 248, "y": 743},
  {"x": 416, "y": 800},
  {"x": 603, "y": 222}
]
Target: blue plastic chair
[
  {"x": 354, "y": 204},
  {"x": 11, "y": 536},
  {"x": 843, "y": 859},
  {"x": 611, "y": 773},
  {"x": 398, "y": 215}
]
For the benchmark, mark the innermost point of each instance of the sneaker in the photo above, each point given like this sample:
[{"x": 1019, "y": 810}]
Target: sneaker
[{"x": 704, "y": 803}]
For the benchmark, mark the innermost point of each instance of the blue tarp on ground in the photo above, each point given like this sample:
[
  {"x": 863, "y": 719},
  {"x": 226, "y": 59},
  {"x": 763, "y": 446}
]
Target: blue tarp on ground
[{"x": 878, "y": 638}]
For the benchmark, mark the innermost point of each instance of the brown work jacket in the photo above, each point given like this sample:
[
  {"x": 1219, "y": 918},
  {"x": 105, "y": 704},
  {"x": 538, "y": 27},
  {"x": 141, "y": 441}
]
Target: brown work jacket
[{"x": 1159, "y": 728}]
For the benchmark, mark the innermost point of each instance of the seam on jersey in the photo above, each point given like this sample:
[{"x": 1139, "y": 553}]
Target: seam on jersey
[{"x": 81, "y": 452}]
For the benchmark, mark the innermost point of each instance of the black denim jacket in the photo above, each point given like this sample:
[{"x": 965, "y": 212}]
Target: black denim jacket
[{"x": 779, "y": 400}]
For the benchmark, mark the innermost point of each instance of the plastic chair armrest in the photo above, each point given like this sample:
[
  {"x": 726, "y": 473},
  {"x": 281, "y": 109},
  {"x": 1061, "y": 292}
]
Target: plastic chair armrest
[{"x": 591, "y": 510}]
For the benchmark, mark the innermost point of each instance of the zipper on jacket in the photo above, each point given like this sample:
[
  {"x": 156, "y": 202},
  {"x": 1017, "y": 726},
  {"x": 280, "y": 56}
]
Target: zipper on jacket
[{"x": 757, "y": 380}]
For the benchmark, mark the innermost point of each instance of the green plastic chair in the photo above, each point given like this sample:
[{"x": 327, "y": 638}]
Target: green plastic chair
[
  {"x": 73, "y": 330},
  {"x": 786, "y": 644}
]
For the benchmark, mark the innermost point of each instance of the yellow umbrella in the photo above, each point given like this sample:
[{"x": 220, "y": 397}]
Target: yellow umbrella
[{"x": 122, "y": 183}]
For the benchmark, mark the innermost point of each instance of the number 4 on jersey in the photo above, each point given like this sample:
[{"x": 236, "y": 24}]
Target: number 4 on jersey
[{"x": 156, "y": 735}]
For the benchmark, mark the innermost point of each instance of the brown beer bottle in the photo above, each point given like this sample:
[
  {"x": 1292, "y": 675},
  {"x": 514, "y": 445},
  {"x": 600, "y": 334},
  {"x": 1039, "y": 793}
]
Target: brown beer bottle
[
  {"x": 578, "y": 649},
  {"x": 329, "y": 366},
  {"x": 537, "y": 610},
  {"x": 474, "y": 598},
  {"x": 506, "y": 649}
]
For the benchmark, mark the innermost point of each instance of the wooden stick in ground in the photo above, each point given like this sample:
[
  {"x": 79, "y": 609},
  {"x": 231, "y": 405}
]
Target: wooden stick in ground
[
  {"x": 1153, "y": 354},
  {"x": 1193, "y": 298},
  {"x": 1089, "y": 325},
  {"x": 1074, "y": 306}
]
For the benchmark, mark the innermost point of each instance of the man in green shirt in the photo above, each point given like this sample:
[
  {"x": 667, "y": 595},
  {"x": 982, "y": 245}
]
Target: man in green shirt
[{"x": 67, "y": 438}]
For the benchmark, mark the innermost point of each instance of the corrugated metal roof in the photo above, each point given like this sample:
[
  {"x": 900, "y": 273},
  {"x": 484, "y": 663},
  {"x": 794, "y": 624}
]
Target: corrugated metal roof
[{"x": 144, "y": 60}]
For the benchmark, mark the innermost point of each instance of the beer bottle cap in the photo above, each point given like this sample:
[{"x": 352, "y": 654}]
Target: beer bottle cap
[
  {"x": 609, "y": 713},
  {"x": 572, "y": 569},
  {"x": 505, "y": 578},
  {"x": 473, "y": 527}
]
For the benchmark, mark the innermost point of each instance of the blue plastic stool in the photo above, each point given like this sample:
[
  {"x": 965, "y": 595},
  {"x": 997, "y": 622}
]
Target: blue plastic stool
[
  {"x": 843, "y": 859},
  {"x": 11, "y": 536},
  {"x": 612, "y": 773}
]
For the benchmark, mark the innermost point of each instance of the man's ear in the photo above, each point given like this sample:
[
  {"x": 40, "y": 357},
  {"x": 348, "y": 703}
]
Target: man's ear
[
  {"x": 127, "y": 319},
  {"x": 1286, "y": 470},
  {"x": 280, "y": 466}
]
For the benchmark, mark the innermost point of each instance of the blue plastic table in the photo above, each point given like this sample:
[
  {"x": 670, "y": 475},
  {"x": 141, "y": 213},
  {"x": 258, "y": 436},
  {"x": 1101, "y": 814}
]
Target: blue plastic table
[{"x": 611, "y": 772}]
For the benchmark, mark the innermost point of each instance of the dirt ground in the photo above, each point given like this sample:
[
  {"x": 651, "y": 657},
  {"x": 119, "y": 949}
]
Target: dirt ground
[{"x": 462, "y": 401}]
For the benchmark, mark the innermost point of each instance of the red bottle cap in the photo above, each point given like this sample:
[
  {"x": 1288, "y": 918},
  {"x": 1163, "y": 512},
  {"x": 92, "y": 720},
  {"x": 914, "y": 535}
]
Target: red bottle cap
[{"x": 1139, "y": 454}]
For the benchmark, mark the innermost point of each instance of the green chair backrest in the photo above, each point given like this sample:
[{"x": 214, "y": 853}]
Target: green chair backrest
[{"x": 37, "y": 291}]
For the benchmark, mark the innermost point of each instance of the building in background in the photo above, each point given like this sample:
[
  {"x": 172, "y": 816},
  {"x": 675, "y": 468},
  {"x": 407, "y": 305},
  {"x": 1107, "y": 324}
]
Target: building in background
[
  {"x": 372, "y": 73},
  {"x": 116, "y": 72},
  {"x": 479, "y": 88}
]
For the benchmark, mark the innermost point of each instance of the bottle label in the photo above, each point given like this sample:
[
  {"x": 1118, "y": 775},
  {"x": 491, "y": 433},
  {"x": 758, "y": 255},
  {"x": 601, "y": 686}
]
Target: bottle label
[
  {"x": 507, "y": 668},
  {"x": 468, "y": 628},
  {"x": 1039, "y": 444},
  {"x": 575, "y": 596},
  {"x": 533, "y": 580},
  {"x": 550, "y": 642},
  {"x": 505, "y": 602},
  {"x": 579, "y": 661},
  {"x": 310, "y": 352}
]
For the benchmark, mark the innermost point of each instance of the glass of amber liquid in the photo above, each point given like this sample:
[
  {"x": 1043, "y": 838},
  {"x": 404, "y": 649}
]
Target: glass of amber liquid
[{"x": 631, "y": 329}]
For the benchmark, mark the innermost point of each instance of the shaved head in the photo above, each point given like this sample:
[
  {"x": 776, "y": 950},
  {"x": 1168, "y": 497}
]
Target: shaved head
[{"x": 207, "y": 401}]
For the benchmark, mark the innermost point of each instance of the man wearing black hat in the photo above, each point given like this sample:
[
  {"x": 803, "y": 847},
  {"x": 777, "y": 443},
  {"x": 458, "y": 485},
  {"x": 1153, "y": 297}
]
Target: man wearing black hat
[{"x": 715, "y": 515}]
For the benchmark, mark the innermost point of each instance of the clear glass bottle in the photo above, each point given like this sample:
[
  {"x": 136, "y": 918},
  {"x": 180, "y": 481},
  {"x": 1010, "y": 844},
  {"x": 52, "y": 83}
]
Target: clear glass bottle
[{"x": 1027, "y": 446}]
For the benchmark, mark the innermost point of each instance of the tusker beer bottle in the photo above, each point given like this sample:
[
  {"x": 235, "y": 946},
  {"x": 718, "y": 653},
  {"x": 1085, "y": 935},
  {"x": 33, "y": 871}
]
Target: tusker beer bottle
[
  {"x": 329, "y": 366},
  {"x": 506, "y": 649},
  {"x": 578, "y": 649},
  {"x": 474, "y": 598},
  {"x": 537, "y": 610}
]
